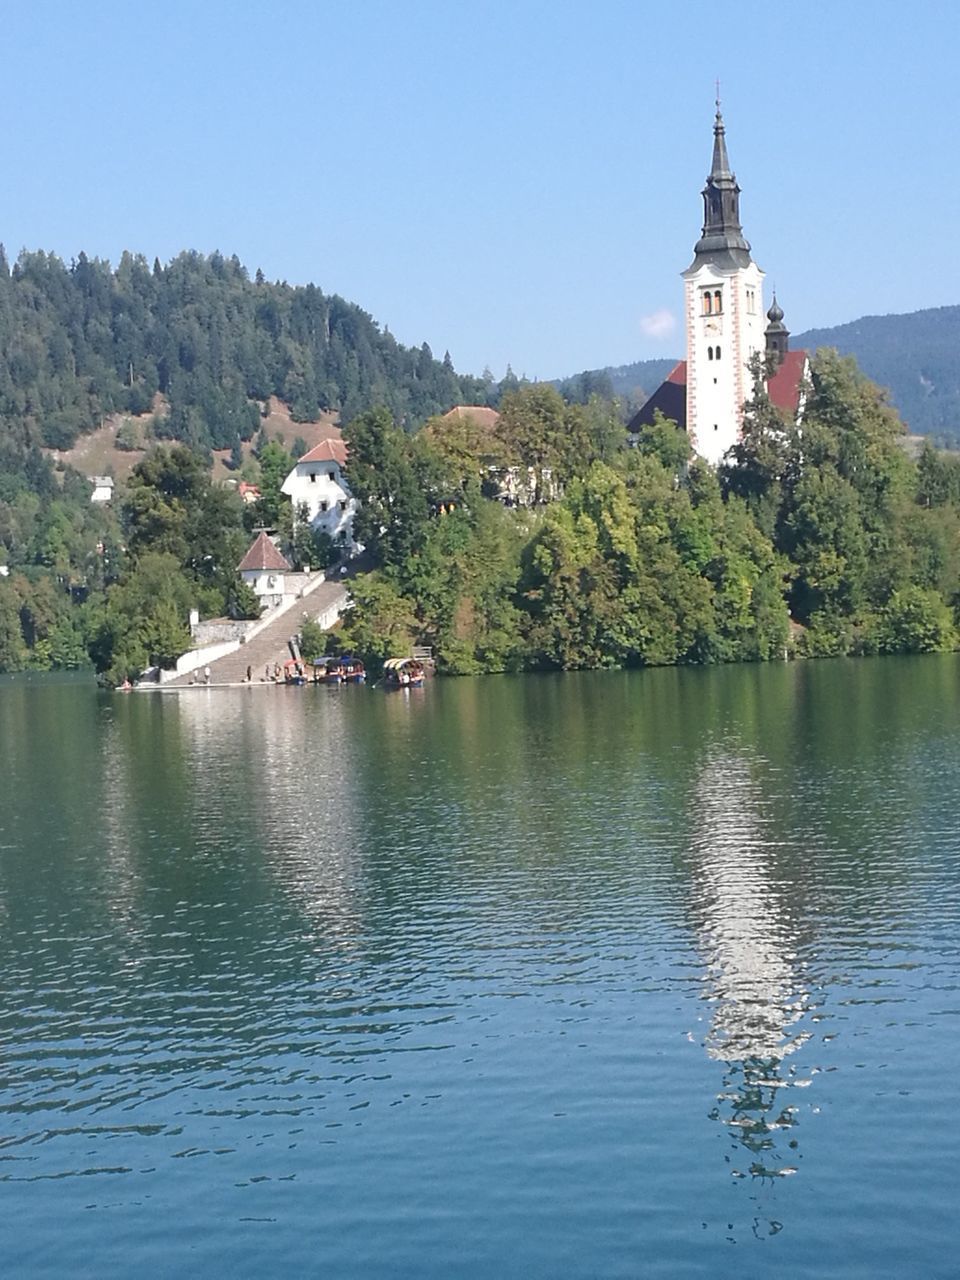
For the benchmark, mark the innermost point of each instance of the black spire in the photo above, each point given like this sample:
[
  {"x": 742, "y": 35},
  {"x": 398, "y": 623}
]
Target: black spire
[
  {"x": 722, "y": 240},
  {"x": 720, "y": 169},
  {"x": 777, "y": 333}
]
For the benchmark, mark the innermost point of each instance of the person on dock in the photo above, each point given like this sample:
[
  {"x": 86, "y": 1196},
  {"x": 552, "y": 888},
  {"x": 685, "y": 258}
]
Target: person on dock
[{"x": 206, "y": 675}]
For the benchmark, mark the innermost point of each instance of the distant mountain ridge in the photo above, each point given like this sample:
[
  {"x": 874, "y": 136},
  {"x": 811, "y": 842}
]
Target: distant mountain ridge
[{"x": 916, "y": 356}]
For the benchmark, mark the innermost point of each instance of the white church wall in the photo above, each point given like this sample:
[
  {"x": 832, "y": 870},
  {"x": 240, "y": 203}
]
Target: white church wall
[{"x": 720, "y": 344}]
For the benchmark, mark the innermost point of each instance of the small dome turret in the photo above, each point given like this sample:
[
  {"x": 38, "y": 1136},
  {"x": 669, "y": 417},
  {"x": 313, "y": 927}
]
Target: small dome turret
[{"x": 777, "y": 334}]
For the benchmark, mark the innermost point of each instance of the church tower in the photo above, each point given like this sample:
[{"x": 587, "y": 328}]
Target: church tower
[{"x": 723, "y": 307}]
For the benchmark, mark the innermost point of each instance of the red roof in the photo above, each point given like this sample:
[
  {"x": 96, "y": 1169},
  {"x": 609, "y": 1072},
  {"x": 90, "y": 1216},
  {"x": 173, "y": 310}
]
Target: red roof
[
  {"x": 263, "y": 554},
  {"x": 785, "y": 385},
  {"x": 327, "y": 451},
  {"x": 670, "y": 397},
  {"x": 481, "y": 414}
]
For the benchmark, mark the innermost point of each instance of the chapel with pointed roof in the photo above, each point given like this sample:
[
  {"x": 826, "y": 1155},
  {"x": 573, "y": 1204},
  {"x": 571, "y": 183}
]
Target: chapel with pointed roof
[{"x": 724, "y": 324}]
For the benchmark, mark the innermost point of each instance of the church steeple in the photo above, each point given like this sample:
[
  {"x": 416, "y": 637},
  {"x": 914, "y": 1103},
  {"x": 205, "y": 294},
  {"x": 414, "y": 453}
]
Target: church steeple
[
  {"x": 723, "y": 303},
  {"x": 720, "y": 169},
  {"x": 722, "y": 240}
]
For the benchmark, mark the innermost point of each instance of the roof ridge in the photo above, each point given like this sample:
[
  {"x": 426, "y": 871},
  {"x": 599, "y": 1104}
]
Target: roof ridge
[{"x": 262, "y": 554}]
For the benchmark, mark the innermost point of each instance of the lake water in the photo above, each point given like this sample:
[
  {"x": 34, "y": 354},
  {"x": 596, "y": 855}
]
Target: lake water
[{"x": 623, "y": 974}]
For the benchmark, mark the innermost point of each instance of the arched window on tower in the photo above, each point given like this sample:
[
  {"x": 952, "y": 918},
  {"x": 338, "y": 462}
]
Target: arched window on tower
[
  {"x": 709, "y": 353},
  {"x": 706, "y": 302},
  {"x": 718, "y": 301},
  {"x": 718, "y": 353}
]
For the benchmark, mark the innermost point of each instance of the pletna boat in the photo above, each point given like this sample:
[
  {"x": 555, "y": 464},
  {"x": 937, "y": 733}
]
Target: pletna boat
[
  {"x": 403, "y": 673},
  {"x": 345, "y": 670}
]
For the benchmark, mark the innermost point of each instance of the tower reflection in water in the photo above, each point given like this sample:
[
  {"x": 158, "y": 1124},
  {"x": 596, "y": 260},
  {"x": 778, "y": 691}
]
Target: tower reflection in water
[{"x": 753, "y": 981}]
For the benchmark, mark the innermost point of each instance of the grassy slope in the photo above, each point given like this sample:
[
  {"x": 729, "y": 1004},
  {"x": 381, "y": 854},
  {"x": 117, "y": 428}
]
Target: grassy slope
[{"x": 97, "y": 454}]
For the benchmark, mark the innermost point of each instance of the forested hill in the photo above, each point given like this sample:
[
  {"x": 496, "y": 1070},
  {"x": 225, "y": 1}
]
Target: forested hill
[
  {"x": 81, "y": 341},
  {"x": 914, "y": 356}
]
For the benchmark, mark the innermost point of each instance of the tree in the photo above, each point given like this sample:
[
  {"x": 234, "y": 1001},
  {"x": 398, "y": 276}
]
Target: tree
[
  {"x": 67, "y": 646},
  {"x": 916, "y": 621},
  {"x": 531, "y": 428},
  {"x": 938, "y": 477},
  {"x": 755, "y": 465},
  {"x": 243, "y": 601},
  {"x": 664, "y": 440},
  {"x": 313, "y": 547},
  {"x": 313, "y": 640},
  {"x": 380, "y": 623},
  {"x": 275, "y": 466},
  {"x": 392, "y": 485},
  {"x": 128, "y": 437},
  {"x": 13, "y": 651},
  {"x": 463, "y": 446},
  {"x": 141, "y": 620}
]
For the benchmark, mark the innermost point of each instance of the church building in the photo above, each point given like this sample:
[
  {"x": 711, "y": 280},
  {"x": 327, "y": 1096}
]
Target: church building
[{"x": 725, "y": 328}]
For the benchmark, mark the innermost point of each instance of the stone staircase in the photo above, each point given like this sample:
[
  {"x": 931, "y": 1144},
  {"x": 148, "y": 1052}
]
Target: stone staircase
[{"x": 270, "y": 646}]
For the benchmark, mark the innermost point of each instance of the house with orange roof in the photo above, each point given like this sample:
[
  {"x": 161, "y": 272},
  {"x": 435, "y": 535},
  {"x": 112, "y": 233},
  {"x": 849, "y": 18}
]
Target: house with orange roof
[{"x": 320, "y": 494}]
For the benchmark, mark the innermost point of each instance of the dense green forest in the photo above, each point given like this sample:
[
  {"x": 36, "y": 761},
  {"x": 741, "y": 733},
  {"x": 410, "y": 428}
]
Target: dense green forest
[
  {"x": 914, "y": 356},
  {"x": 83, "y": 341}
]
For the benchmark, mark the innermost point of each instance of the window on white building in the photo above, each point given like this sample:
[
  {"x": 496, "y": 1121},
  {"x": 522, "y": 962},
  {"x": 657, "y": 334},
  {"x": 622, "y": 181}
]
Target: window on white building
[
  {"x": 331, "y": 475},
  {"x": 313, "y": 477},
  {"x": 324, "y": 505},
  {"x": 717, "y": 301}
]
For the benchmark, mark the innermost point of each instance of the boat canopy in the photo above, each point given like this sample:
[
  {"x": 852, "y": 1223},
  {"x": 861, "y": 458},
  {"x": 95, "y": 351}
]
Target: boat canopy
[{"x": 397, "y": 664}]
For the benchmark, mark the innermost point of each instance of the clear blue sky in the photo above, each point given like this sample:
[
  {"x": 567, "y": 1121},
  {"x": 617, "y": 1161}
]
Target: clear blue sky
[{"x": 515, "y": 181}]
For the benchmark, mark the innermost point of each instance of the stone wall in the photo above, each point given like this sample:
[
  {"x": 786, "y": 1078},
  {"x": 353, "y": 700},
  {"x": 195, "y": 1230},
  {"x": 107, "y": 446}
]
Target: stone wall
[{"x": 218, "y": 630}]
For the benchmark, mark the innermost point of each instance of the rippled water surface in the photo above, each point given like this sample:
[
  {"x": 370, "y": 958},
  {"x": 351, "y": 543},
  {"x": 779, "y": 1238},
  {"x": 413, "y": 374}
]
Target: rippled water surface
[{"x": 606, "y": 975}]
